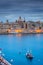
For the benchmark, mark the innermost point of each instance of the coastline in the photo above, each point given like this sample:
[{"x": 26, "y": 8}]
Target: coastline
[{"x": 20, "y": 33}]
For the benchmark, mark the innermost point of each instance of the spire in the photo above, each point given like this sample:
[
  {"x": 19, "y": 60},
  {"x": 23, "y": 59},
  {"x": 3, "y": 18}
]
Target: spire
[
  {"x": 20, "y": 19},
  {"x": 24, "y": 19}
]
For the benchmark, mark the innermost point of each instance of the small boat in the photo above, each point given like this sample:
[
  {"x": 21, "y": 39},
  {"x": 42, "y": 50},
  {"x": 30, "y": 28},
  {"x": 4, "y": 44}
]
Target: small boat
[{"x": 29, "y": 56}]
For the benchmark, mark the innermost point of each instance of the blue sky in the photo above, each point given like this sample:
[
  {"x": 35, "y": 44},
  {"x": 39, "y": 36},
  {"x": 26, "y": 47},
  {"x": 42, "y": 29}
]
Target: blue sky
[{"x": 12, "y": 9}]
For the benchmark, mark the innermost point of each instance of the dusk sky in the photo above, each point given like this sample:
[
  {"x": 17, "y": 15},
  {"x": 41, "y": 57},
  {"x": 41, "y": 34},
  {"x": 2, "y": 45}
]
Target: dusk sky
[{"x": 28, "y": 9}]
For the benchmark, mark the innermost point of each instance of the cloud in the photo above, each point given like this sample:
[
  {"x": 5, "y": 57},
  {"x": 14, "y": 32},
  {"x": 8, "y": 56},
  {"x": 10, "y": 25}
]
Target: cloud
[
  {"x": 7, "y": 6},
  {"x": 14, "y": 8},
  {"x": 9, "y": 16}
]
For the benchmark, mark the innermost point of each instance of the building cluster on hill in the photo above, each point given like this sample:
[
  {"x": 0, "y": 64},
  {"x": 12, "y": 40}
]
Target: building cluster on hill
[{"x": 21, "y": 26}]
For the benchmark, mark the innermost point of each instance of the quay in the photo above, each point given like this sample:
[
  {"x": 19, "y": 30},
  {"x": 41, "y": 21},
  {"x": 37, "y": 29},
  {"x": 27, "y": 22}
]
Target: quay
[{"x": 3, "y": 61}]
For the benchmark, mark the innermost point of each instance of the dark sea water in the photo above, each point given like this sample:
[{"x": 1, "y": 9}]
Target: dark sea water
[{"x": 14, "y": 48}]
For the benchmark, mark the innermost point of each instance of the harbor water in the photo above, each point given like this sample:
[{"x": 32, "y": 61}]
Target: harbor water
[{"x": 15, "y": 47}]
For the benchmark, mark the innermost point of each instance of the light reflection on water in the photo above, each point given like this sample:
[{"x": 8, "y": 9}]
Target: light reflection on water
[{"x": 12, "y": 45}]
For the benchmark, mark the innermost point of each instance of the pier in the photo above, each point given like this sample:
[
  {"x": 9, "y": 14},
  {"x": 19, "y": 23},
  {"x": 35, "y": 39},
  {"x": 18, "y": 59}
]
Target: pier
[{"x": 4, "y": 61}]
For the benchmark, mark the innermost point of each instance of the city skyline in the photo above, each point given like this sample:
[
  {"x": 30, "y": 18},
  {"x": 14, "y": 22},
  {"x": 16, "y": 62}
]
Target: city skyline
[{"x": 28, "y": 9}]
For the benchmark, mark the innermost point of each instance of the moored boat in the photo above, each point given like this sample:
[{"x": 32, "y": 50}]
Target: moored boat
[{"x": 29, "y": 56}]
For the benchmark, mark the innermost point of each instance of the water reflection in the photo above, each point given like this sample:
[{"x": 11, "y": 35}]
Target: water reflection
[
  {"x": 19, "y": 35},
  {"x": 16, "y": 46}
]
